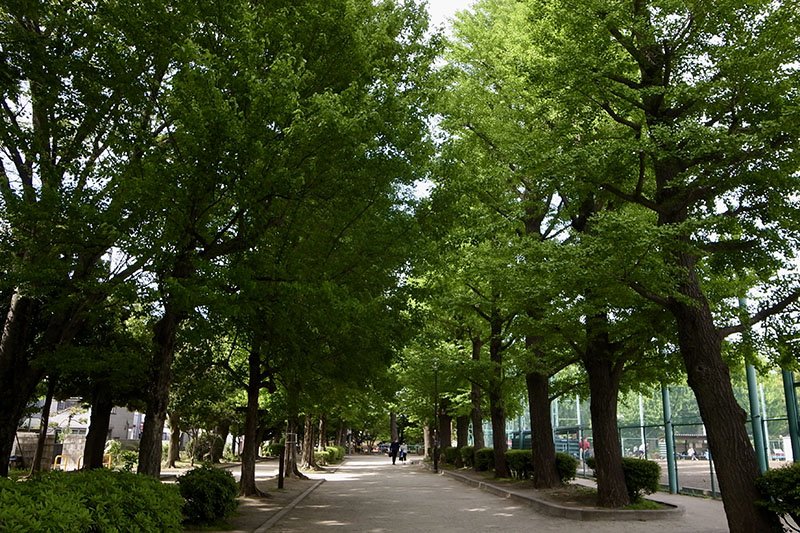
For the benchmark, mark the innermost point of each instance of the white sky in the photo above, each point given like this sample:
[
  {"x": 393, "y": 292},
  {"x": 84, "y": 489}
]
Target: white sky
[{"x": 442, "y": 11}]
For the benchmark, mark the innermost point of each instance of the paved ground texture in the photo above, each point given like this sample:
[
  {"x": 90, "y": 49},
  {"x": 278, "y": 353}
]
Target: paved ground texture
[{"x": 368, "y": 493}]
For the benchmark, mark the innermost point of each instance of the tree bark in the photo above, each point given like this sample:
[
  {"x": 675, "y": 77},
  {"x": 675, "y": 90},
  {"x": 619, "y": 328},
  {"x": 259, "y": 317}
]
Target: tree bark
[
  {"x": 462, "y": 431},
  {"x": 393, "y": 426},
  {"x": 308, "y": 459},
  {"x": 604, "y": 374},
  {"x": 247, "y": 483},
  {"x": 99, "y": 420},
  {"x": 323, "y": 432},
  {"x": 543, "y": 449},
  {"x": 476, "y": 399},
  {"x": 426, "y": 442},
  {"x": 174, "y": 451},
  {"x": 496, "y": 403},
  {"x": 18, "y": 379},
  {"x": 291, "y": 450},
  {"x": 709, "y": 378},
  {"x": 221, "y": 432},
  {"x": 36, "y": 466},
  {"x": 445, "y": 424}
]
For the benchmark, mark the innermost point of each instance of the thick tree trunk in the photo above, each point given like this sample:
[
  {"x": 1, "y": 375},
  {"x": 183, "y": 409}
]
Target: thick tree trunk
[
  {"x": 709, "y": 378},
  {"x": 323, "y": 433},
  {"x": 158, "y": 394},
  {"x": 427, "y": 442},
  {"x": 445, "y": 424},
  {"x": 18, "y": 379},
  {"x": 496, "y": 406},
  {"x": 604, "y": 370},
  {"x": 476, "y": 399},
  {"x": 308, "y": 459},
  {"x": 393, "y": 426},
  {"x": 291, "y": 468},
  {"x": 221, "y": 432},
  {"x": 174, "y": 451},
  {"x": 247, "y": 483},
  {"x": 102, "y": 405},
  {"x": 462, "y": 431},
  {"x": 543, "y": 450},
  {"x": 36, "y": 466}
]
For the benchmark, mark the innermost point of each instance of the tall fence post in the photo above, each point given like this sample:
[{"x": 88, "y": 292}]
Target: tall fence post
[
  {"x": 791, "y": 412},
  {"x": 669, "y": 436},
  {"x": 755, "y": 418}
]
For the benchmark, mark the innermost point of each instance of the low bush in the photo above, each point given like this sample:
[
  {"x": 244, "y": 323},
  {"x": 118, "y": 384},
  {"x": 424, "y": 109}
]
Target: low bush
[
  {"x": 567, "y": 466},
  {"x": 641, "y": 477},
  {"x": 451, "y": 456},
  {"x": 335, "y": 454},
  {"x": 484, "y": 459},
  {"x": 468, "y": 456},
  {"x": 275, "y": 449},
  {"x": 591, "y": 462},
  {"x": 321, "y": 458},
  {"x": 781, "y": 490},
  {"x": 210, "y": 494},
  {"x": 93, "y": 500},
  {"x": 520, "y": 463}
]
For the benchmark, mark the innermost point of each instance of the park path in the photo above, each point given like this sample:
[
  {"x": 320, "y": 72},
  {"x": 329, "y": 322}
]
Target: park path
[{"x": 368, "y": 493}]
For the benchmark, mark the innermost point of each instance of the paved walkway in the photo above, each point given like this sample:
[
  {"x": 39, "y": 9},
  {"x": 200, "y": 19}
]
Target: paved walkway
[{"x": 368, "y": 493}]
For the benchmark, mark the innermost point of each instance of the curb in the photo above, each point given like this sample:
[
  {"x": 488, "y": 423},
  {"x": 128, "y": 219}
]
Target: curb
[
  {"x": 585, "y": 515},
  {"x": 280, "y": 514}
]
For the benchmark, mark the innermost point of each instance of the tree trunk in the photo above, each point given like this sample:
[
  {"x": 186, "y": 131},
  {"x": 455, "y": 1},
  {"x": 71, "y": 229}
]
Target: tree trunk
[
  {"x": 709, "y": 378},
  {"x": 462, "y": 431},
  {"x": 160, "y": 378},
  {"x": 174, "y": 451},
  {"x": 158, "y": 394},
  {"x": 18, "y": 379},
  {"x": 323, "y": 432},
  {"x": 476, "y": 398},
  {"x": 445, "y": 425},
  {"x": 426, "y": 442},
  {"x": 543, "y": 450},
  {"x": 291, "y": 450},
  {"x": 497, "y": 408},
  {"x": 308, "y": 459},
  {"x": 221, "y": 432},
  {"x": 102, "y": 405},
  {"x": 36, "y": 466},
  {"x": 247, "y": 483}
]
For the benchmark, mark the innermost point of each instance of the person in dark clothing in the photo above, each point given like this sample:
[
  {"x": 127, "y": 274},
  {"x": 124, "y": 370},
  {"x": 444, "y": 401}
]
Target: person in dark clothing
[{"x": 393, "y": 449}]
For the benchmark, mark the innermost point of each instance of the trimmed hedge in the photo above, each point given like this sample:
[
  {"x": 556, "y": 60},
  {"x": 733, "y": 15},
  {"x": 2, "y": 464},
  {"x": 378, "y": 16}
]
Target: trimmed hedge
[
  {"x": 89, "y": 500},
  {"x": 484, "y": 459},
  {"x": 641, "y": 477},
  {"x": 567, "y": 466},
  {"x": 210, "y": 494},
  {"x": 468, "y": 456},
  {"x": 781, "y": 489},
  {"x": 520, "y": 463},
  {"x": 451, "y": 456}
]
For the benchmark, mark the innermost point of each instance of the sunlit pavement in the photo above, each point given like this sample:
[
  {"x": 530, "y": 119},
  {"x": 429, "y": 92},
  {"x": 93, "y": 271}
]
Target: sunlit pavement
[{"x": 368, "y": 493}]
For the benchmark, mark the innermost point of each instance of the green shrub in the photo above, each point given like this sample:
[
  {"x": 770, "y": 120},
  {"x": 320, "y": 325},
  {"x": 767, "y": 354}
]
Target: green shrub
[
  {"x": 321, "y": 458},
  {"x": 452, "y": 456},
  {"x": 128, "y": 459},
  {"x": 781, "y": 489},
  {"x": 93, "y": 500},
  {"x": 210, "y": 494},
  {"x": 484, "y": 459},
  {"x": 468, "y": 456},
  {"x": 591, "y": 462},
  {"x": 275, "y": 449},
  {"x": 641, "y": 477},
  {"x": 520, "y": 463},
  {"x": 336, "y": 453},
  {"x": 567, "y": 466}
]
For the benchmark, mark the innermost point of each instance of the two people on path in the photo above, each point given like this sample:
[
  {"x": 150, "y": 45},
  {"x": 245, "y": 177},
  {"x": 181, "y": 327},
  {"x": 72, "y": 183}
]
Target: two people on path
[{"x": 396, "y": 449}]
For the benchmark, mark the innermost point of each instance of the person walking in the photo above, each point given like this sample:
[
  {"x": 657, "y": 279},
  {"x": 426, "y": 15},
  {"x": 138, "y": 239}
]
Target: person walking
[
  {"x": 394, "y": 448},
  {"x": 403, "y": 452}
]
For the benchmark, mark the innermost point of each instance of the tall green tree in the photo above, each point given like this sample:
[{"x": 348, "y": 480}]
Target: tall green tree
[
  {"x": 78, "y": 81},
  {"x": 705, "y": 98}
]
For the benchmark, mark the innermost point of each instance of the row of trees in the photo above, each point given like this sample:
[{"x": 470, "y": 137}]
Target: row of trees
[
  {"x": 615, "y": 207},
  {"x": 209, "y": 191},
  {"x": 215, "y": 199}
]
